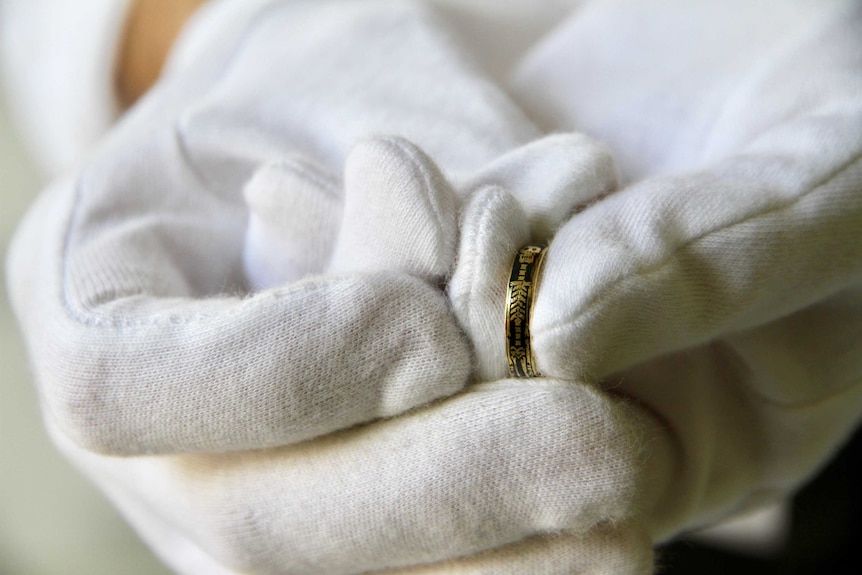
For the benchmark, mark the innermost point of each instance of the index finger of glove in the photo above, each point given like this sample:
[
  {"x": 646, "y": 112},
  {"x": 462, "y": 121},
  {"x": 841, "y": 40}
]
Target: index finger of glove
[
  {"x": 676, "y": 261},
  {"x": 135, "y": 355}
]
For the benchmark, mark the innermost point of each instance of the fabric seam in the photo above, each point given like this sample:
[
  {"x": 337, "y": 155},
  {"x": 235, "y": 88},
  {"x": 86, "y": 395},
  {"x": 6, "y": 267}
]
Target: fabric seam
[{"x": 605, "y": 292}]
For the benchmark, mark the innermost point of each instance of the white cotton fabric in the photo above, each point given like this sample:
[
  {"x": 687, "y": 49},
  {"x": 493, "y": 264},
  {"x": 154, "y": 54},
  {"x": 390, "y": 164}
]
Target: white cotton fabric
[
  {"x": 212, "y": 368},
  {"x": 241, "y": 291}
]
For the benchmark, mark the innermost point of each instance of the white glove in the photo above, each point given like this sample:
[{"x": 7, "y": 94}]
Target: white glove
[
  {"x": 305, "y": 508},
  {"x": 722, "y": 289},
  {"x": 129, "y": 282},
  {"x": 491, "y": 471},
  {"x": 128, "y": 279}
]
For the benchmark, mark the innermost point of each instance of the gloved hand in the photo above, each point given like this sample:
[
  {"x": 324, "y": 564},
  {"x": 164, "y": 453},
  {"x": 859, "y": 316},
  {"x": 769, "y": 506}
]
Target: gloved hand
[
  {"x": 262, "y": 511},
  {"x": 699, "y": 327},
  {"x": 719, "y": 292},
  {"x": 130, "y": 280}
]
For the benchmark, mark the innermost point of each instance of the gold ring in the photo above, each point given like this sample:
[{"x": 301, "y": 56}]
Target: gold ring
[{"x": 519, "y": 307}]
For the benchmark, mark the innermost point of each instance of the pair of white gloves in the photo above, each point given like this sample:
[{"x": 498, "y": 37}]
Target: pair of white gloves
[{"x": 267, "y": 316}]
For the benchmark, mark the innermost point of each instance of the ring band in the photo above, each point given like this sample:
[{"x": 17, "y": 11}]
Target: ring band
[{"x": 519, "y": 306}]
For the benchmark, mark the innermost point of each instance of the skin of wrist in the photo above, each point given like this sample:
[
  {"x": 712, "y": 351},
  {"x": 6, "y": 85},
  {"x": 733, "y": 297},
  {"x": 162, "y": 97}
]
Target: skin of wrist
[{"x": 151, "y": 29}]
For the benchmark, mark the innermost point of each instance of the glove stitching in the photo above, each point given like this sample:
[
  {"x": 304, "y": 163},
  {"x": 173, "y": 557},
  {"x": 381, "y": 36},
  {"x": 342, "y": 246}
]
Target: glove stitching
[
  {"x": 607, "y": 291},
  {"x": 312, "y": 174},
  {"x": 90, "y": 319},
  {"x": 86, "y": 317}
]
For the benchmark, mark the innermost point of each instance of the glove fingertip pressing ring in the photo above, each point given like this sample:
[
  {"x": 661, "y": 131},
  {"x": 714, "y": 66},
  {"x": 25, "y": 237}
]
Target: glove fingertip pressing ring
[{"x": 523, "y": 281}]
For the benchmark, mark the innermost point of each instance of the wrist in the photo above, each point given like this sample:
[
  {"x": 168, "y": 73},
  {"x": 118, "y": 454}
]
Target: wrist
[{"x": 150, "y": 32}]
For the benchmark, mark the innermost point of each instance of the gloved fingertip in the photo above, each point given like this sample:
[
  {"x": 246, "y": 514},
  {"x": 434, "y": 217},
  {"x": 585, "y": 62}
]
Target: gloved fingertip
[
  {"x": 400, "y": 213},
  {"x": 294, "y": 213},
  {"x": 493, "y": 228}
]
